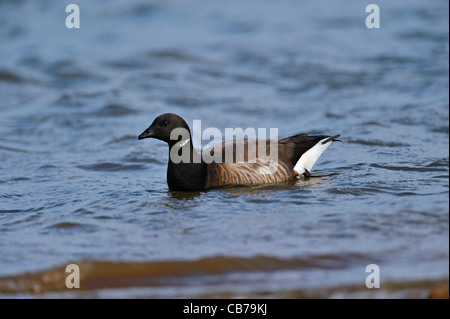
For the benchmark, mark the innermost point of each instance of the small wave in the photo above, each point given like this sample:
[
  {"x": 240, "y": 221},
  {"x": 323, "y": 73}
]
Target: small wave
[
  {"x": 13, "y": 149},
  {"x": 83, "y": 211},
  {"x": 128, "y": 64},
  {"x": 441, "y": 129},
  {"x": 406, "y": 194},
  {"x": 375, "y": 123},
  {"x": 121, "y": 139},
  {"x": 16, "y": 179},
  {"x": 8, "y": 76},
  {"x": 409, "y": 168},
  {"x": 137, "y": 157},
  {"x": 354, "y": 191},
  {"x": 20, "y": 150},
  {"x": 174, "y": 55},
  {"x": 67, "y": 69},
  {"x": 115, "y": 110},
  {"x": 238, "y": 27},
  {"x": 10, "y": 195},
  {"x": 110, "y": 167},
  {"x": 334, "y": 115},
  {"x": 73, "y": 226},
  {"x": 156, "y": 57},
  {"x": 352, "y": 167},
  {"x": 75, "y": 99},
  {"x": 376, "y": 142},
  {"x": 248, "y": 78},
  {"x": 141, "y": 10},
  {"x": 424, "y": 35},
  {"x": 392, "y": 59},
  {"x": 442, "y": 162},
  {"x": 47, "y": 166},
  {"x": 188, "y": 101},
  {"x": 65, "y": 225},
  {"x": 9, "y": 211}
]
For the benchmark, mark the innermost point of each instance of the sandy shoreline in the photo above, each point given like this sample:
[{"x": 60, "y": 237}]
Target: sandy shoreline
[
  {"x": 424, "y": 289},
  {"x": 427, "y": 289}
]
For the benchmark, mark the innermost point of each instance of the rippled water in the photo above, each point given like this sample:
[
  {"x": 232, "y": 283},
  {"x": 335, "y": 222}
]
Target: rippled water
[{"x": 76, "y": 186}]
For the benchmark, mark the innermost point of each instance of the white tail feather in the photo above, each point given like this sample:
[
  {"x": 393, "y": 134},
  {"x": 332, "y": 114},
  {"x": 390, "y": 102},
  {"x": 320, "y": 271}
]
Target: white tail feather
[{"x": 310, "y": 157}]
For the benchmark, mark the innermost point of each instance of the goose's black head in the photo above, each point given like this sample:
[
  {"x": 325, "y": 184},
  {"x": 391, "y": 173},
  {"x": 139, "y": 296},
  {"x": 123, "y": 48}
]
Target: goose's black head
[{"x": 163, "y": 126}]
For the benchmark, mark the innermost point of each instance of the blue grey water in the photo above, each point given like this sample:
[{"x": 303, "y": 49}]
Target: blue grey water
[{"x": 76, "y": 185}]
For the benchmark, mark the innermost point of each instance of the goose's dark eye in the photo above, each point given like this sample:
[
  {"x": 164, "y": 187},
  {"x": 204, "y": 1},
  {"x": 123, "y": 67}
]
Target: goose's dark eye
[{"x": 164, "y": 123}]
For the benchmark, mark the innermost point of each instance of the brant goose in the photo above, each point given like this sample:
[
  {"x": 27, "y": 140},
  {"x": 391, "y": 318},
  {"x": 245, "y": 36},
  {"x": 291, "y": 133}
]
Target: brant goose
[{"x": 296, "y": 157}]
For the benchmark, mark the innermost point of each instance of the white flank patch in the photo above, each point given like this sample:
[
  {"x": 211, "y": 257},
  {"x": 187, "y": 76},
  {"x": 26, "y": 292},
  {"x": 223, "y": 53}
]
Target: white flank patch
[{"x": 310, "y": 157}]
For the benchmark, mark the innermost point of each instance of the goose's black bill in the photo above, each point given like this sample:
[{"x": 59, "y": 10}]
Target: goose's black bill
[
  {"x": 147, "y": 133},
  {"x": 332, "y": 139}
]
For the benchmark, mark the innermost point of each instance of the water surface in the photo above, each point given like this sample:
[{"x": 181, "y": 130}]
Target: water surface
[{"x": 76, "y": 186}]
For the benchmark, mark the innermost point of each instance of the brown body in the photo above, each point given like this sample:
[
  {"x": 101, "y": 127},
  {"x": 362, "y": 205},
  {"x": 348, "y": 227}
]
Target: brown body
[{"x": 258, "y": 169}]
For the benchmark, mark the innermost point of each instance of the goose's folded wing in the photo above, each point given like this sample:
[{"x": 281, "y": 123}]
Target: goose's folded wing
[{"x": 242, "y": 173}]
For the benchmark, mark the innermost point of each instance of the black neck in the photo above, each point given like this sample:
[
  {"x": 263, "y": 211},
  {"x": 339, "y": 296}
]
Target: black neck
[{"x": 187, "y": 175}]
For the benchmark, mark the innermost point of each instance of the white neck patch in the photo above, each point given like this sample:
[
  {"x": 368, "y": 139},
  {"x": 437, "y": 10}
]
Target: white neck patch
[{"x": 182, "y": 143}]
